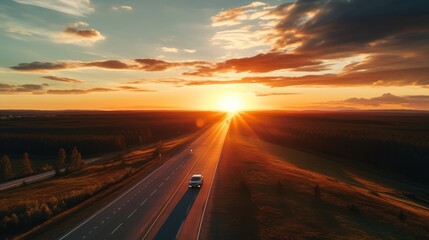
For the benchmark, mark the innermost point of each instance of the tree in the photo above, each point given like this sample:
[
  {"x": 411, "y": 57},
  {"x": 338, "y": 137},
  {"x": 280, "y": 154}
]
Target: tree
[
  {"x": 77, "y": 162},
  {"x": 26, "y": 164},
  {"x": 6, "y": 168},
  {"x": 61, "y": 158}
]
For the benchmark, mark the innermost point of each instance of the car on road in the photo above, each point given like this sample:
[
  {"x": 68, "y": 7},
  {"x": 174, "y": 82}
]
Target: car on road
[{"x": 196, "y": 181}]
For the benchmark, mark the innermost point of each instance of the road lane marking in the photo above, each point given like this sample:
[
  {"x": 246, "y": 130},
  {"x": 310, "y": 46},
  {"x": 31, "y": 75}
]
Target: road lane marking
[
  {"x": 167, "y": 178},
  {"x": 132, "y": 213},
  {"x": 90, "y": 231},
  {"x": 181, "y": 225},
  {"x": 187, "y": 211},
  {"x": 116, "y": 228},
  {"x": 211, "y": 185},
  {"x": 153, "y": 192},
  {"x": 114, "y": 201},
  {"x": 114, "y": 212},
  {"x": 95, "y": 227},
  {"x": 84, "y": 237},
  {"x": 143, "y": 202},
  {"x": 161, "y": 184},
  {"x": 102, "y": 222}
]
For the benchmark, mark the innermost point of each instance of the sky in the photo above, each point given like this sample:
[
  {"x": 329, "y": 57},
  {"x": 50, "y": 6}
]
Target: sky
[{"x": 206, "y": 55}]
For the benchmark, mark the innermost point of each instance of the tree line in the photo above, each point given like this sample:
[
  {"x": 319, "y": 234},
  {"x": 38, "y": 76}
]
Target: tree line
[{"x": 61, "y": 166}]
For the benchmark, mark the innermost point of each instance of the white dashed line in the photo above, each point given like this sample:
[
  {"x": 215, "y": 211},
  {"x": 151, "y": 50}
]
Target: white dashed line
[
  {"x": 153, "y": 192},
  {"x": 161, "y": 184},
  {"x": 132, "y": 213},
  {"x": 95, "y": 227},
  {"x": 114, "y": 212},
  {"x": 116, "y": 228},
  {"x": 83, "y": 237},
  {"x": 167, "y": 178},
  {"x": 102, "y": 222},
  {"x": 90, "y": 231},
  {"x": 128, "y": 200},
  {"x": 143, "y": 202}
]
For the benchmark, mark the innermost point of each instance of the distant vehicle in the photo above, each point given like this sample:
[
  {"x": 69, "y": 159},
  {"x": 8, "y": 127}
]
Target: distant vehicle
[{"x": 196, "y": 181}]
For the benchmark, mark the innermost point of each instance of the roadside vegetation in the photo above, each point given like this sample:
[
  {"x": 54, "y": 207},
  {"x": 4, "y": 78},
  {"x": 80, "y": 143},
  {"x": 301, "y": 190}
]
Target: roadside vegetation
[
  {"x": 40, "y": 134},
  {"x": 269, "y": 190}
]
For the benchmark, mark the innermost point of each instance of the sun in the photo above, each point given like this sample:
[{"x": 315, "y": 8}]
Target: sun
[{"x": 230, "y": 103}]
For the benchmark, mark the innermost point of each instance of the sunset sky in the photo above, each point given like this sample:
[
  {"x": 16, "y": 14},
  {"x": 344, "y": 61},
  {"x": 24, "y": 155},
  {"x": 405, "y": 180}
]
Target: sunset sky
[{"x": 178, "y": 54}]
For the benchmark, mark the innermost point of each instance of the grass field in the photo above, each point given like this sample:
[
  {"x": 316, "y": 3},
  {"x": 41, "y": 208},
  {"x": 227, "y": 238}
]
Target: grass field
[{"x": 266, "y": 190}]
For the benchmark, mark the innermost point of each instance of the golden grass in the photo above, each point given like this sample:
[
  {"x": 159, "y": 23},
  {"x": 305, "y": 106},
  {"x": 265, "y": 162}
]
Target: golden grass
[{"x": 282, "y": 202}]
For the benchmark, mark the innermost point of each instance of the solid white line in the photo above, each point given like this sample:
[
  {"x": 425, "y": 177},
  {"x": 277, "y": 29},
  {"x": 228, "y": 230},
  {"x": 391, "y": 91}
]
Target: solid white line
[
  {"x": 210, "y": 189},
  {"x": 181, "y": 225},
  {"x": 143, "y": 202},
  {"x": 132, "y": 213},
  {"x": 154, "y": 192},
  {"x": 101, "y": 210},
  {"x": 116, "y": 228}
]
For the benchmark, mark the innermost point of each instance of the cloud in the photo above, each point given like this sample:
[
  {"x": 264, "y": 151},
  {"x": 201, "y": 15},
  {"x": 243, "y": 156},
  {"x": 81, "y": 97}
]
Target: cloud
[
  {"x": 44, "y": 66},
  {"x": 398, "y": 77},
  {"x": 274, "y": 94},
  {"x": 244, "y": 27},
  {"x": 189, "y": 50},
  {"x": 24, "y": 88},
  {"x": 261, "y": 63},
  {"x": 135, "y": 89},
  {"x": 389, "y": 100},
  {"x": 178, "y": 82},
  {"x": 169, "y": 50},
  {"x": 62, "y": 79},
  {"x": 150, "y": 64},
  {"x": 78, "y": 91},
  {"x": 234, "y": 16},
  {"x": 145, "y": 64},
  {"x": 75, "y": 34},
  {"x": 109, "y": 64},
  {"x": 71, "y": 7},
  {"x": 124, "y": 7}
]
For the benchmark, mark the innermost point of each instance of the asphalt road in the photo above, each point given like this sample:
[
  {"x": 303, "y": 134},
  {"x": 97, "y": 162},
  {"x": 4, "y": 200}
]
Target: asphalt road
[{"x": 161, "y": 206}]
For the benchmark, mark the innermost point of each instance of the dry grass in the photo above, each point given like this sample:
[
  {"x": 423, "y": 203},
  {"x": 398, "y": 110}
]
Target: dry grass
[{"x": 264, "y": 191}]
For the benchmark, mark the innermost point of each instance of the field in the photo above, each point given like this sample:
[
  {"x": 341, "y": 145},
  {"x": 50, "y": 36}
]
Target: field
[
  {"x": 276, "y": 181},
  {"x": 42, "y": 133}
]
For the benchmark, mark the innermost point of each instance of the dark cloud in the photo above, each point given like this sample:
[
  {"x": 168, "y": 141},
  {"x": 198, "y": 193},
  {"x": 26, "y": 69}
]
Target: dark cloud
[
  {"x": 41, "y": 66},
  {"x": 24, "y": 88},
  {"x": 412, "y": 101},
  {"x": 150, "y": 64},
  {"x": 85, "y": 33},
  {"x": 264, "y": 62},
  {"x": 62, "y": 79},
  {"x": 399, "y": 77},
  {"x": 136, "y": 64},
  {"x": 110, "y": 64}
]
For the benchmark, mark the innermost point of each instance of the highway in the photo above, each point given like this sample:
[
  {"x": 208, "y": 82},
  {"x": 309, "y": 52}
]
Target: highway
[{"x": 161, "y": 205}]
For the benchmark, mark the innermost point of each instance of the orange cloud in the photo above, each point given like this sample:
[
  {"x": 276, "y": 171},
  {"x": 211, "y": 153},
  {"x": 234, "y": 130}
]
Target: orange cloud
[{"x": 63, "y": 79}]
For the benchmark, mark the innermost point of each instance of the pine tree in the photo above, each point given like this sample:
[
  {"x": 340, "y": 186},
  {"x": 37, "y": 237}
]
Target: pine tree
[
  {"x": 61, "y": 159},
  {"x": 26, "y": 164},
  {"x": 77, "y": 161},
  {"x": 6, "y": 168}
]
